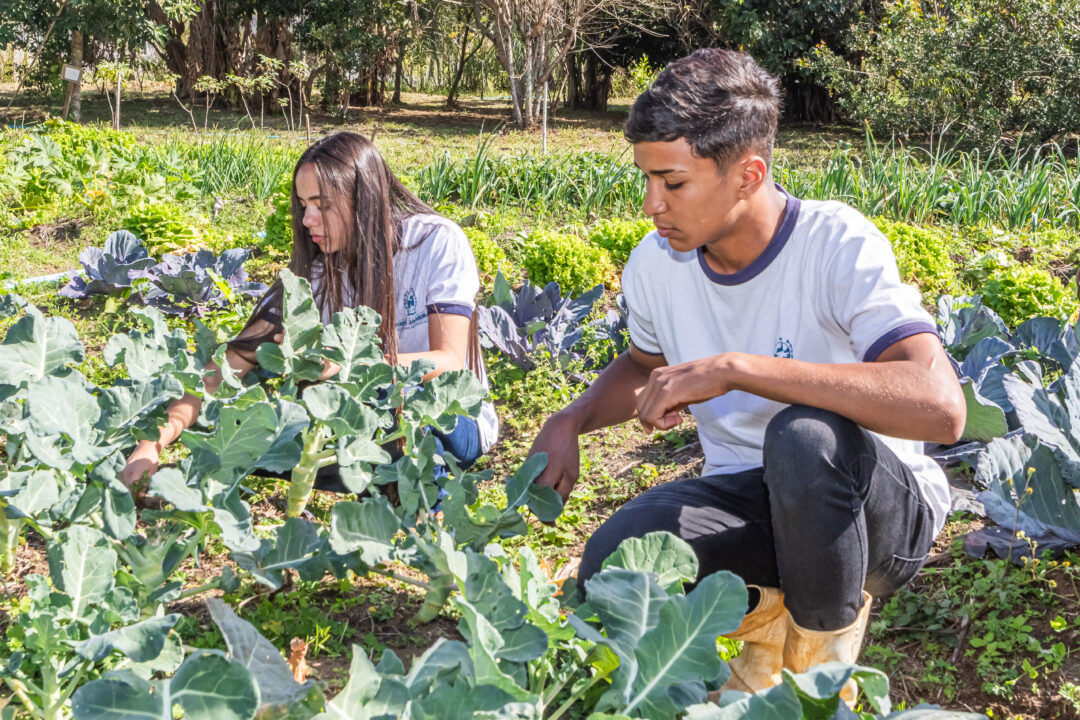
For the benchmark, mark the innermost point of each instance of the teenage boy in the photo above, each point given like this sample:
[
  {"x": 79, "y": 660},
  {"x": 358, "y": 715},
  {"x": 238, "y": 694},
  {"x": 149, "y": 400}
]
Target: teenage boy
[{"x": 812, "y": 371}]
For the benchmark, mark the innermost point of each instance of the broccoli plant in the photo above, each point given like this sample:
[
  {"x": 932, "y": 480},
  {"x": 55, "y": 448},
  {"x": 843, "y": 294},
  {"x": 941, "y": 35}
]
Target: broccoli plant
[{"x": 639, "y": 647}]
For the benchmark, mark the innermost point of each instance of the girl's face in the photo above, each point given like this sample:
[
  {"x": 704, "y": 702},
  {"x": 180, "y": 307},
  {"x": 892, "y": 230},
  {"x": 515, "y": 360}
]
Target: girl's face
[{"x": 323, "y": 221}]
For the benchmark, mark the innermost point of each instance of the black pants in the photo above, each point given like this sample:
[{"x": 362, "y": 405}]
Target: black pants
[{"x": 833, "y": 511}]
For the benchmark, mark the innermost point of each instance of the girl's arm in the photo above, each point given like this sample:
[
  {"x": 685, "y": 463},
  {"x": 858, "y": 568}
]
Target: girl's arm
[
  {"x": 448, "y": 338},
  {"x": 180, "y": 415}
]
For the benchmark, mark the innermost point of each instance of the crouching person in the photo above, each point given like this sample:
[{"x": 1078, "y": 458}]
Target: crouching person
[{"x": 812, "y": 371}]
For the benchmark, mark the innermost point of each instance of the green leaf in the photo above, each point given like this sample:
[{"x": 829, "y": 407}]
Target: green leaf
[
  {"x": 295, "y": 544},
  {"x": 170, "y": 485},
  {"x": 368, "y": 695},
  {"x": 353, "y": 335},
  {"x": 486, "y": 643},
  {"x": 441, "y": 399},
  {"x": 146, "y": 354},
  {"x": 544, "y": 502},
  {"x": 628, "y": 604},
  {"x": 34, "y": 491},
  {"x": 775, "y": 703},
  {"x": 206, "y": 687},
  {"x": 142, "y": 642},
  {"x": 368, "y": 526},
  {"x": 284, "y": 452},
  {"x": 259, "y": 656},
  {"x": 342, "y": 412},
  {"x": 36, "y": 347},
  {"x": 82, "y": 564},
  {"x": 64, "y": 407},
  {"x": 985, "y": 420},
  {"x": 295, "y": 357},
  {"x": 238, "y": 440},
  {"x": 681, "y": 649},
  {"x": 669, "y": 556}
]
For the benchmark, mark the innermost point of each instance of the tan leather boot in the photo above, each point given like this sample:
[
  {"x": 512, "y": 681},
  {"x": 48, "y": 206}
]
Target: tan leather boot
[
  {"x": 806, "y": 648},
  {"x": 762, "y": 633}
]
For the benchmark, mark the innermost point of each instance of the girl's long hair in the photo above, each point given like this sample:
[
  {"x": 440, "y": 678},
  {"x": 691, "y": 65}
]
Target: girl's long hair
[{"x": 355, "y": 181}]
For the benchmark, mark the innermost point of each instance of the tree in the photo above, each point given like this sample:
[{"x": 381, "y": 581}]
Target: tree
[{"x": 533, "y": 37}]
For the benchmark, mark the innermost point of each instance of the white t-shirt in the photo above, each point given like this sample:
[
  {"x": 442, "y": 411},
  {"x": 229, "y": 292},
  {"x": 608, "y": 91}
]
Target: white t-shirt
[
  {"x": 434, "y": 272},
  {"x": 826, "y": 290}
]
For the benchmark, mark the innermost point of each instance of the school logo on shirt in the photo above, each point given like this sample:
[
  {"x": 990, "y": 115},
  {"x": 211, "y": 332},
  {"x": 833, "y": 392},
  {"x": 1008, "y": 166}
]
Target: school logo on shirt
[
  {"x": 783, "y": 349},
  {"x": 410, "y": 304}
]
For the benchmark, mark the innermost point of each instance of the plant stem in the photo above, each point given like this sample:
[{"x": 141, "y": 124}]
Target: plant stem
[
  {"x": 401, "y": 578},
  {"x": 198, "y": 590},
  {"x": 573, "y": 698},
  {"x": 20, "y": 691}
]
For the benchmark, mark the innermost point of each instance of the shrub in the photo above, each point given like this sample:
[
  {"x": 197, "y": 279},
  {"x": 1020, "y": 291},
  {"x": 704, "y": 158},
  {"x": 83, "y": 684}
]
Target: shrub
[
  {"x": 162, "y": 227},
  {"x": 619, "y": 237},
  {"x": 278, "y": 226},
  {"x": 922, "y": 255},
  {"x": 979, "y": 67},
  {"x": 573, "y": 263},
  {"x": 1020, "y": 292},
  {"x": 490, "y": 257}
]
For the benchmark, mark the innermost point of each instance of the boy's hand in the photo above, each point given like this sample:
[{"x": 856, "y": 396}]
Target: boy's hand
[
  {"x": 672, "y": 388},
  {"x": 559, "y": 439}
]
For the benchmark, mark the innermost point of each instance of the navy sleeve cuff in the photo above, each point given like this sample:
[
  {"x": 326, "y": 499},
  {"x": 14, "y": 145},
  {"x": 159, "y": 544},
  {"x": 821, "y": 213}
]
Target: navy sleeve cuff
[
  {"x": 450, "y": 309},
  {"x": 896, "y": 335}
]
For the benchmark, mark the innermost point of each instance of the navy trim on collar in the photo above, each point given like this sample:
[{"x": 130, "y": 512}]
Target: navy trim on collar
[{"x": 762, "y": 261}]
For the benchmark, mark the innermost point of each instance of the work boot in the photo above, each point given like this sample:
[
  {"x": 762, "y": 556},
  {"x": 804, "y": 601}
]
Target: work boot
[
  {"x": 762, "y": 633},
  {"x": 806, "y": 648}
]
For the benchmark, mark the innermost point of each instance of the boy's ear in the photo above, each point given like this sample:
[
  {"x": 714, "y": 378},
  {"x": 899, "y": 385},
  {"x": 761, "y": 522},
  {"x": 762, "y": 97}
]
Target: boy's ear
[{"x": 755, "y": 171}]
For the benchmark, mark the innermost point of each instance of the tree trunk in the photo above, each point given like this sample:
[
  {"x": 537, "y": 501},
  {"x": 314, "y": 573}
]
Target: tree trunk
[
  {"x": 77, "y": 61},
  {"x": 399, "y": 70},
  {"x": 331, "y": 87},
  {"x": 451, "y": 97}
]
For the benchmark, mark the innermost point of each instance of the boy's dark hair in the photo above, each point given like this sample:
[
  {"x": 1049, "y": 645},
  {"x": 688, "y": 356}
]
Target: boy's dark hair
[{"x": 721, "y": 101}]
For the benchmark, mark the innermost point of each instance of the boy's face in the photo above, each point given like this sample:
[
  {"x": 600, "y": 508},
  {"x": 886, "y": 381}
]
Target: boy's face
[{"x": 691, "y": 201}]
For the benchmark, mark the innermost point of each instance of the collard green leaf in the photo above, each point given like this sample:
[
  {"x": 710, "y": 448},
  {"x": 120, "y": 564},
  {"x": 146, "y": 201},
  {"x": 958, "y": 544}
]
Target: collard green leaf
[
  {"x": 369, "y": 694},
  {"x": 368, "y": 526},
  {"x": 294, "y": 545},
  {"x": 284, "y": 452},
  {"x": 82, "y": 565},
  {"x": 259, "y": 656},
  {"x": 296, "y": 356},
  {"x": 485, "y": 646},
  {"x": 522, "y": 488},
  {"x": 1008, "y": 467},
  {"x": 669, "y": 556},
  {"x": 353, "y": 336},
  {"x": 206, "y": 687},
  {"x": 344, "y": 414},
  {"x": 63, "y": 417},
  {"x": 681, "y": 648},
  {"x": 441, "y": 399},
  {"x": 238, "y": 440},
  {"x": 36, "y": 347},
  {"x": 142, "y": 642},
  {"x": 776, "y": 703},
  {"x": 30, "y": 492},
  {"x": 628, "y": 604}
]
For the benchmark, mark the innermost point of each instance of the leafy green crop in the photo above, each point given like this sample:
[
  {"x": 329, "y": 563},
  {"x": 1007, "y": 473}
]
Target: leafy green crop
[
  {"x": 619, "y": 237},
  {"x": 278, "y": 227},
  {"x": 1019, "y": 292},
  {"x": 636, "y": 649},
  {"x": 922, "y": 255},
  {"x": 573, "y": 263},
  {"x": 490, "y": 258},
  {"x": 163, "y": 228}
]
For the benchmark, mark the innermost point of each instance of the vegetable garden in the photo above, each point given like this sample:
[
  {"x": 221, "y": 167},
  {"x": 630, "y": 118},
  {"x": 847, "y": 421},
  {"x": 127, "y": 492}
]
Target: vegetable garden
[{"x": 182, "y": 602}]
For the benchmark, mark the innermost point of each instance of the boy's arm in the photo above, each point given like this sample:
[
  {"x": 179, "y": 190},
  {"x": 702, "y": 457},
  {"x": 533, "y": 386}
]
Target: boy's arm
[
  {"x": 610, "y": 400},
  {"x": 909, "y": 392}
]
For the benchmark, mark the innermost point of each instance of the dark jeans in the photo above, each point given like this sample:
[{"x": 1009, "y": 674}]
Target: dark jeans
[
  {"x": 463, "y": 442},
  {"x": 833, "y": 511}
]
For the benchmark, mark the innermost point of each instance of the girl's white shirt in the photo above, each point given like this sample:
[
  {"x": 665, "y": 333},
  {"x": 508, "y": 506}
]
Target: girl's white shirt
[{"x": 434, "y": 273}]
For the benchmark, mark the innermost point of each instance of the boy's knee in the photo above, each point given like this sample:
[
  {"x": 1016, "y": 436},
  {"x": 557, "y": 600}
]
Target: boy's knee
[{"x": 803, "y": 446}]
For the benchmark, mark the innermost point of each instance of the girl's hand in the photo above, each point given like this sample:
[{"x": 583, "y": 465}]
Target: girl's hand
[
  {"x": 330, "y": 369},
  {"x": 141, "y": 464}
]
